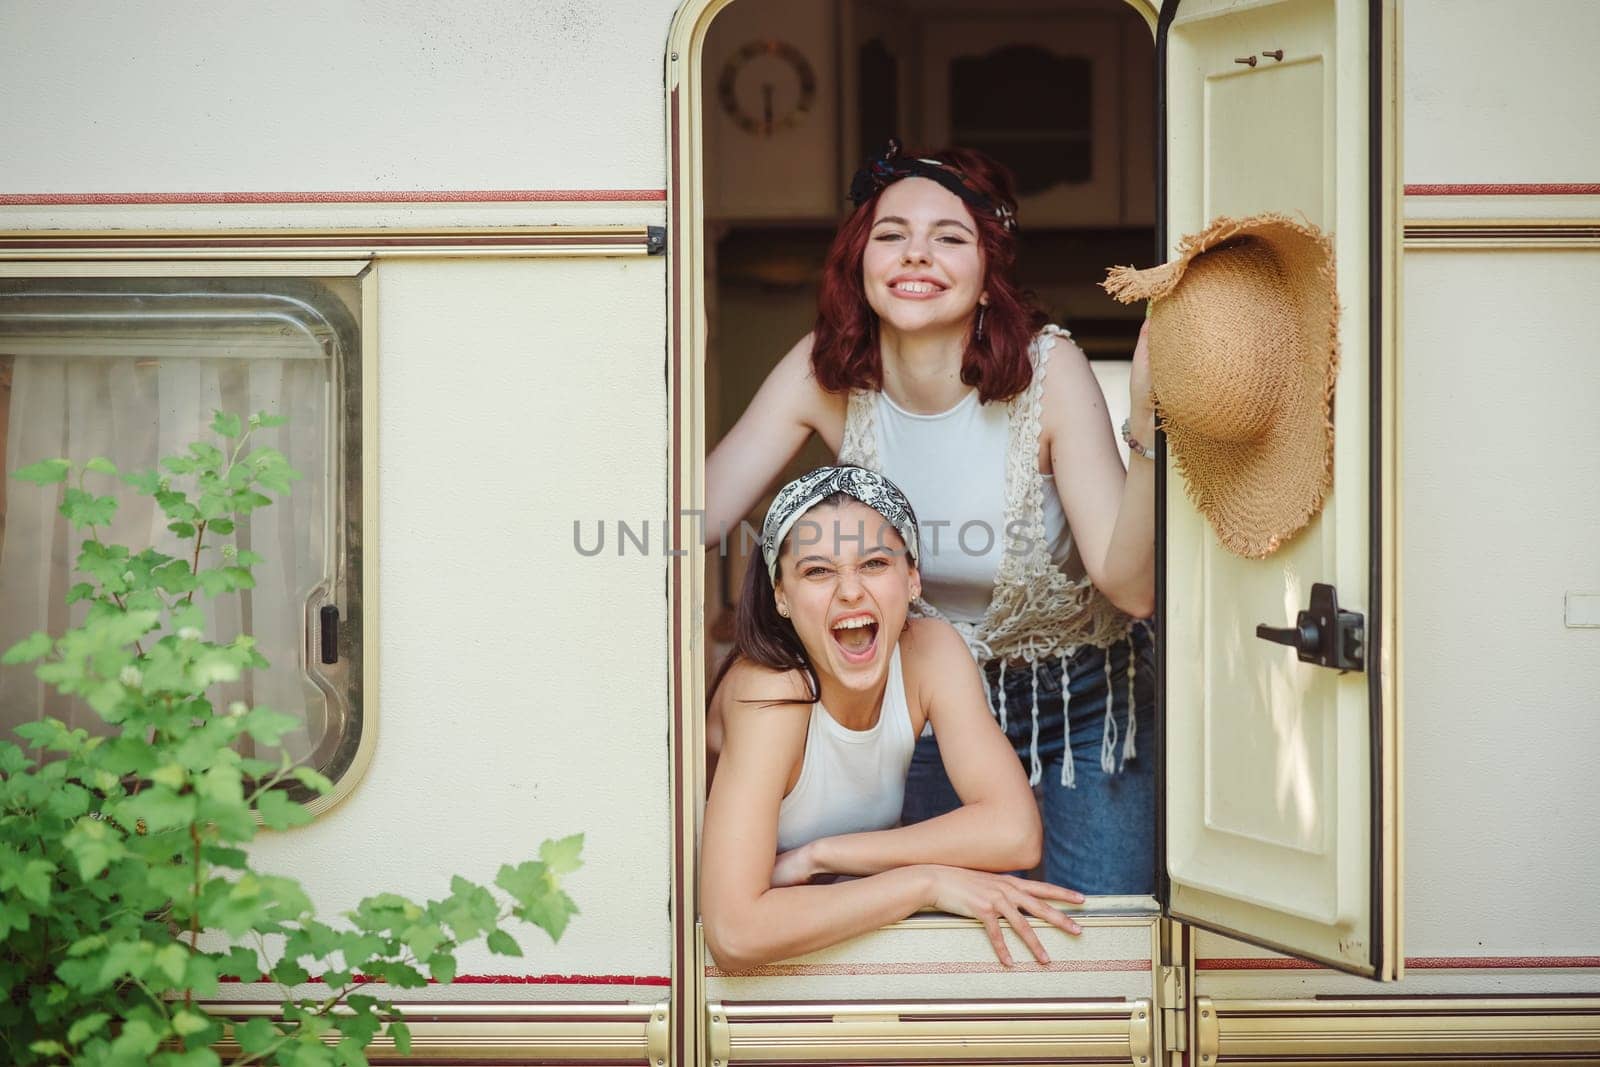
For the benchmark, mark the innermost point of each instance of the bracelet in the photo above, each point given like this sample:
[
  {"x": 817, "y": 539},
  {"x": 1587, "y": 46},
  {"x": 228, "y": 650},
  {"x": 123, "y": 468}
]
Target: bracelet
[{"x": 1134, "y": 447}]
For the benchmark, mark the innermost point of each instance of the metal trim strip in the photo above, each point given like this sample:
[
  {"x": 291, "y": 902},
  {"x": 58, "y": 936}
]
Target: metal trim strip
[
  {"x": 557, "y": 1033},
  {"x": 1399, "y": 1030},
  {"x": 991, "y": 1032},
  {"x": 345, "y": 196},
  {"x": 326, "y": 244}
]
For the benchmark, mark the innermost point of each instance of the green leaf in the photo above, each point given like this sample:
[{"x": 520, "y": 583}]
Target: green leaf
[
  {"x": 503, "y": 944},
  {"x": 267, "y": 727},
  {"x": 172, "y": 960},
  {"x": 171, "y": 775},
  {"x": 47, "y": 1048},
  {"x": 550, "y": 914},
  {"x": 85, "y": 1026},
  {"x": 146, "y": 482},
  {"x": 227, "y": 425},
  {"x": 240, "y": 963},
  {"x": 92, "y": 943},
  {"x": 524, "y": 881},
  {"x": 13, "y": 916},
  {"x": 35, "y": 646},
  {"x": 278, "y": 812},
  {"x": 93, "y": 847},
  {"x": 313, "y": 780},
  {"x": 265, "y": 421},
  {"x": 442, "y": 966},
  {"x": 138, "y": 1038},
  {"x": 189, "y": 1022},
  {"x": 563, "y": 856},
  {"x": 255, "y": 1036},
  {"x": 159, "y": 808},
  {"x": 45, "y": 472},
  {"x": 86, "y": 509},
  {"x": 423, "y": 939},
  {"x": 197, "y": 1057},
  {"x": 400, "y": 1034},
  {"x": 32, "y": 880},
  {"x": 101, "y": 465}
]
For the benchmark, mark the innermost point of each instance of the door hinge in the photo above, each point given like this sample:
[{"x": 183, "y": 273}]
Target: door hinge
[
  {"x": 1174, "y": 1014},
  {"x": 655, "y": 240}
]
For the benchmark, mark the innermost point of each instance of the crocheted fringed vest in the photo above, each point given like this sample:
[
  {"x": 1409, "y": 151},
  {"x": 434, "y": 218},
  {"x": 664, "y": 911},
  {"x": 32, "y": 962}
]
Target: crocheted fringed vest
[{"x": 1037, "y": 612}]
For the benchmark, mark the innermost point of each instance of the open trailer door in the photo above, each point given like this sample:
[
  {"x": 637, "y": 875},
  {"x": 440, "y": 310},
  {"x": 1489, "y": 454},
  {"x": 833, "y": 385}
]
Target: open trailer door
[{"x": 1281, "y": 811}]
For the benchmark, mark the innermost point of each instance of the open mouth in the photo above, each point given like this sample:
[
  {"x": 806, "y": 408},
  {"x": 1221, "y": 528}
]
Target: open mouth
[{"x": 857, "y": 637}]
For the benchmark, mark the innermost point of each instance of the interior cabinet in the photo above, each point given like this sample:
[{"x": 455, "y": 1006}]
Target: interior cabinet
[{"x": 1041, "y": 96}]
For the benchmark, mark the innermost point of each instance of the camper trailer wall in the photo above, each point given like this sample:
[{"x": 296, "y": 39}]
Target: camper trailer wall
[
  {"x": 521, "y": 689},
  {"x": 517, "y": 685}
]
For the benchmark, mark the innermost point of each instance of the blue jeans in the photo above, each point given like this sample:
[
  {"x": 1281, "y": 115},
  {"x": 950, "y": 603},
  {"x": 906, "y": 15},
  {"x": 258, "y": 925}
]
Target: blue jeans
[{"x": 1099, "y": 824}]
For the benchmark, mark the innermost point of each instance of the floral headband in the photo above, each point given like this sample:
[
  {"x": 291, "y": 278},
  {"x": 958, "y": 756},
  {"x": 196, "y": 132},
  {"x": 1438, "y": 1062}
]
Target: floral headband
[
  {"x": 890, "y": 167},
  {"x": 806, "y": 491}
]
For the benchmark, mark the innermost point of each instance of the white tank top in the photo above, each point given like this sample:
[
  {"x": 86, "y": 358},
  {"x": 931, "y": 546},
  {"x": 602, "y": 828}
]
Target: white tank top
[
  {"x": 952, "y": 467},
  {"x": 850, "y": 780}
]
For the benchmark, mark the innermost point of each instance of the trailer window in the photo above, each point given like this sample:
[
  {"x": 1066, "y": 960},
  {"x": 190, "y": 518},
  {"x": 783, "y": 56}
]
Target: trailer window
[{"x": 133, "y": 369}]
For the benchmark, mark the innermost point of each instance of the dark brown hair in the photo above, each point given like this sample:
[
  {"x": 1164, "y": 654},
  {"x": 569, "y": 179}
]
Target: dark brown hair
[
  {"x": 844, "y": 351},
  {"x": 764, "y": 637}
]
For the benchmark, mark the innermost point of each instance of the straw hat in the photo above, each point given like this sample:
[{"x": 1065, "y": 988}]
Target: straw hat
[{"x": 1245, "y": 343}]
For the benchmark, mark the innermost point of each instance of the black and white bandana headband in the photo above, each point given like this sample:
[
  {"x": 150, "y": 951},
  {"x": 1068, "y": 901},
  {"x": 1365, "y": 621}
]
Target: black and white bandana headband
[
  {"x": 806, "y": 491},
  {"x": 890, "y": 167}
]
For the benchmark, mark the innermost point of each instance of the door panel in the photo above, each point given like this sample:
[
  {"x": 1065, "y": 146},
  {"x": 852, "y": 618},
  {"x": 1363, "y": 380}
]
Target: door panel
[{"x": 1272, "y": 786}]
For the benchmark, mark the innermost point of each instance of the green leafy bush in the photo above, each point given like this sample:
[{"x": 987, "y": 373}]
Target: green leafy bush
[{"x": 126, "y": 894}]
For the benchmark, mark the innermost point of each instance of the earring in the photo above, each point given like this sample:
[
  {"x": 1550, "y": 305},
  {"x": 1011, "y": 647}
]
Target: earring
[
  {"x": 978, "y": 335},
  {"x": 783, "y": 611}
]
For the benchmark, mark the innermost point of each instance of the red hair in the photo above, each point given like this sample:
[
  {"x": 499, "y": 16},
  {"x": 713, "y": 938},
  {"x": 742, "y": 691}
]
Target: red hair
[{"x": 844, "y": 349}]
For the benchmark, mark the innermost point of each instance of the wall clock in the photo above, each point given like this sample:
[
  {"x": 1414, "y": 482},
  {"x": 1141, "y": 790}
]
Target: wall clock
[{"x": 767, "y": 86}]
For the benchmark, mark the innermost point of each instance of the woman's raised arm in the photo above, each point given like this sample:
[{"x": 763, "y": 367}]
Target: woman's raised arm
[
  {"x": 787, "y": 409},
  {"x": 1111, "y": 510}
]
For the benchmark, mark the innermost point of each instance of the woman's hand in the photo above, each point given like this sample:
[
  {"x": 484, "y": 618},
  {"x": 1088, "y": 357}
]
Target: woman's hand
[
  {"x": 1140, "y": 397},
  {"x": 796, "y": 866},
  {"x": 992, "y": 897}
]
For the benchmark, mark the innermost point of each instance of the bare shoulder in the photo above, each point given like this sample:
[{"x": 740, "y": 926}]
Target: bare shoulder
[
  {"x": 932, "y": 652},
  {"x": 1073, "y": 400},
  {"x": 1069, "y": 380},
  {"x": 796, "y": 376},
  {"x": 763, "y": 700}
]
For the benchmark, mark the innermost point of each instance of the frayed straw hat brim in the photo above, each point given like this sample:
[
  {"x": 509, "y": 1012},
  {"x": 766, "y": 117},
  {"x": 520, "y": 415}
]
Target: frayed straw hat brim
[{"x": 1255, "y": 491}]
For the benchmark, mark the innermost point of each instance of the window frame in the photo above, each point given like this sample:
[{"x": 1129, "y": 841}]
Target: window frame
[{"x": 359, "y": 461}]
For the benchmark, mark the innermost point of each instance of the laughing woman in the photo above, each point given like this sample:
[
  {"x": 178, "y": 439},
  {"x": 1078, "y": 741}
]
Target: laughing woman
[{"x": 819, "y": 708}]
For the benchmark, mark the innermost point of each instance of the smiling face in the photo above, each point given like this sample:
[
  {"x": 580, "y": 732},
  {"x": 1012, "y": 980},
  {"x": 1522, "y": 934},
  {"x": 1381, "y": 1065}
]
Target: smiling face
[
  {"x": 922, "y": 268},
  {"x": 845, "y": 580}
]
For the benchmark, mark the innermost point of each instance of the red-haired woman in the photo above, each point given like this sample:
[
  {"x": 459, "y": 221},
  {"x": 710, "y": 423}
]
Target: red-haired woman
[{"x": 928, "y": 363}]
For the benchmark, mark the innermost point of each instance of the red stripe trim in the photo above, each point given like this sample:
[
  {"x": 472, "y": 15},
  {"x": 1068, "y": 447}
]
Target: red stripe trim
[
  {"x": 1507, "y": 189},
  {"x": 813, "y": 970},
  {"x": 1415, "y": 963},
  {"x": 415, "y": 196},
  {"x": 521, "y": 979}
]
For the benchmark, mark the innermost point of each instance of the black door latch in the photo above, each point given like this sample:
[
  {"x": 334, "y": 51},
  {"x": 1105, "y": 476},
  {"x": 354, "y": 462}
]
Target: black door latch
[{"x": 1323, "y": 634}]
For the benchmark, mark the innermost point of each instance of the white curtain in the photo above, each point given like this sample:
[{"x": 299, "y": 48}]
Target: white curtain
[{"x": 134, "y": 410}]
